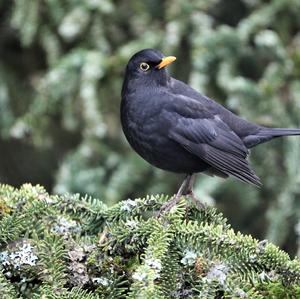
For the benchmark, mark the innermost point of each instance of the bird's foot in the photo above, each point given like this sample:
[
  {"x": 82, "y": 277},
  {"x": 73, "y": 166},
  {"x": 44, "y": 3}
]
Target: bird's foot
[
  {"x": 167, "y": 206},
  {"x": 197, "y": 202}
]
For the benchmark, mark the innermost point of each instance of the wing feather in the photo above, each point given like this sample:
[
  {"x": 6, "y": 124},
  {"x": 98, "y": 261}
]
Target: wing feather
[{"x": 211, "y": 139}]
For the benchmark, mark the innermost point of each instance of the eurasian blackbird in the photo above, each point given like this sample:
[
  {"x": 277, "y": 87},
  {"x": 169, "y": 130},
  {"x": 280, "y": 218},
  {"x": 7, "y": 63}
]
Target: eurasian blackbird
[{"x": 175, "y": 128}]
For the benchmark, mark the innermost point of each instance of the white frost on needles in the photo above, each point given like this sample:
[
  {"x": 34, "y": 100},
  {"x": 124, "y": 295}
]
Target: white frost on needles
[
  {"x": 18, "y": 258},
  {"x": 218, "y": 273},
  {"x": 189, "y": 258},
  {"x": 127, "y": 205},
  {"x": 150, "y": 270}
]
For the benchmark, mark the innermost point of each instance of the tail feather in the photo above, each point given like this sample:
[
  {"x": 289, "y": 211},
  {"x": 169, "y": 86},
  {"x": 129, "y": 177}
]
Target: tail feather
[
  {"x": 277, "y": 132},
  {"x": 266, "y": 134}
]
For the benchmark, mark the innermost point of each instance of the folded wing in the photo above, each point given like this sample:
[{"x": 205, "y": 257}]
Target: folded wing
[{"x": 208, "y": 137}]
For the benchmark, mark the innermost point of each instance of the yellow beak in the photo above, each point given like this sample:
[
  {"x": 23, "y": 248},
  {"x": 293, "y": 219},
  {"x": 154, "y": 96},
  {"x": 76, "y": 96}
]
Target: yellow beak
[{"x": 165, "y": 61}]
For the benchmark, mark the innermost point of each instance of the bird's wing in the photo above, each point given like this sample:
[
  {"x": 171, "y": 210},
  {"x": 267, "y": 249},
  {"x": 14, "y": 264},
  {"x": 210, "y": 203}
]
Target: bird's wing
[{"x": 208, "y": 137}]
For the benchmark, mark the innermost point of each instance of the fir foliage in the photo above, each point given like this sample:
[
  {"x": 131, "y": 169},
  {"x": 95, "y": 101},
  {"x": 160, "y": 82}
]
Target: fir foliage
[
  {"x": 61, "y": 70},
  {"x": 77, "y": 247}
]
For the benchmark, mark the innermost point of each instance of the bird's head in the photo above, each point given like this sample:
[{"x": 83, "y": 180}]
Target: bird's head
[{"x": 148, "y": 67}]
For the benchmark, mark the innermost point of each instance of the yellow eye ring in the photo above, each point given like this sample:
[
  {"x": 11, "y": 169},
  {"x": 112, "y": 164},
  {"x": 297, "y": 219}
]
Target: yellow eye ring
[{"x": 144, "y": 66}]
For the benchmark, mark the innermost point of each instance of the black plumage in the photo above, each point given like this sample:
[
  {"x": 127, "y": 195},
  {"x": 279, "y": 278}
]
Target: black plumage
[{"x": 175, "y": 128}]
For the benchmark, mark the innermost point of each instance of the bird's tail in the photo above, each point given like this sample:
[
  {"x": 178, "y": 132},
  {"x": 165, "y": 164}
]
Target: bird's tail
[{"x": 266, "y": 134}]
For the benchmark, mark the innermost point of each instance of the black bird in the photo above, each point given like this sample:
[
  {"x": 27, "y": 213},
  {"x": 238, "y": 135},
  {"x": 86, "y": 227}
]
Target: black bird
[{"x": 175, "y": 128}]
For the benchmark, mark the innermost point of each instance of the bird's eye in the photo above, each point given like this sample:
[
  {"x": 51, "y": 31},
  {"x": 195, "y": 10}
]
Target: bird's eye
[{"x": 144, "y": 66}]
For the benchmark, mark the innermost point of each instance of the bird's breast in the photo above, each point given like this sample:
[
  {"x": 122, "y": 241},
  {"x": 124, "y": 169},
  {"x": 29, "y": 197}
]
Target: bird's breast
[
  {"x": 140, "y": 122},
  {"x": 147, "y": 132}
]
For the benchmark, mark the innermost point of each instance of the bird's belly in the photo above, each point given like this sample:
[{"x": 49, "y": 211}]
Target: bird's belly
[
  {"x": 179, "y": 161},
  {"x": 165, "y": 154}
]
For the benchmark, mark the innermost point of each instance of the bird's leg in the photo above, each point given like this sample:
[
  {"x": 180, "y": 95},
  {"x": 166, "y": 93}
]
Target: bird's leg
[
  {"x": 189, "y": 184},
  {"x": 189, "y": 191},
  {"x": 167, "y": 206}
]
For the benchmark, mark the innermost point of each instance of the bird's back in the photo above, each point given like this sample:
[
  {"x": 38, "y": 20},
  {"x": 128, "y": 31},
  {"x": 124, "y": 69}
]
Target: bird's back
[{"x": 240, "y": 126}]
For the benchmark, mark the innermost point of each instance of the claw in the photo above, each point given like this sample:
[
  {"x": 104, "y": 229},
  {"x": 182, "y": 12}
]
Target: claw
[
  {"x": 197, "y": 202},
  {"x": 167, "y": 206},
  {"x": 186, "y": 188}
]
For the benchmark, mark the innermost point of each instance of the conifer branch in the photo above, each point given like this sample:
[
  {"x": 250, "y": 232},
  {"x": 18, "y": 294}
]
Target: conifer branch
[{"x": 77, "y": 247}]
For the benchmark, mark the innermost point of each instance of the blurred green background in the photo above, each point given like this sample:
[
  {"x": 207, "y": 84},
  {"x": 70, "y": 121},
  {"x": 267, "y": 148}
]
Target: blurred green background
[{"x": 61, "y": 70}]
